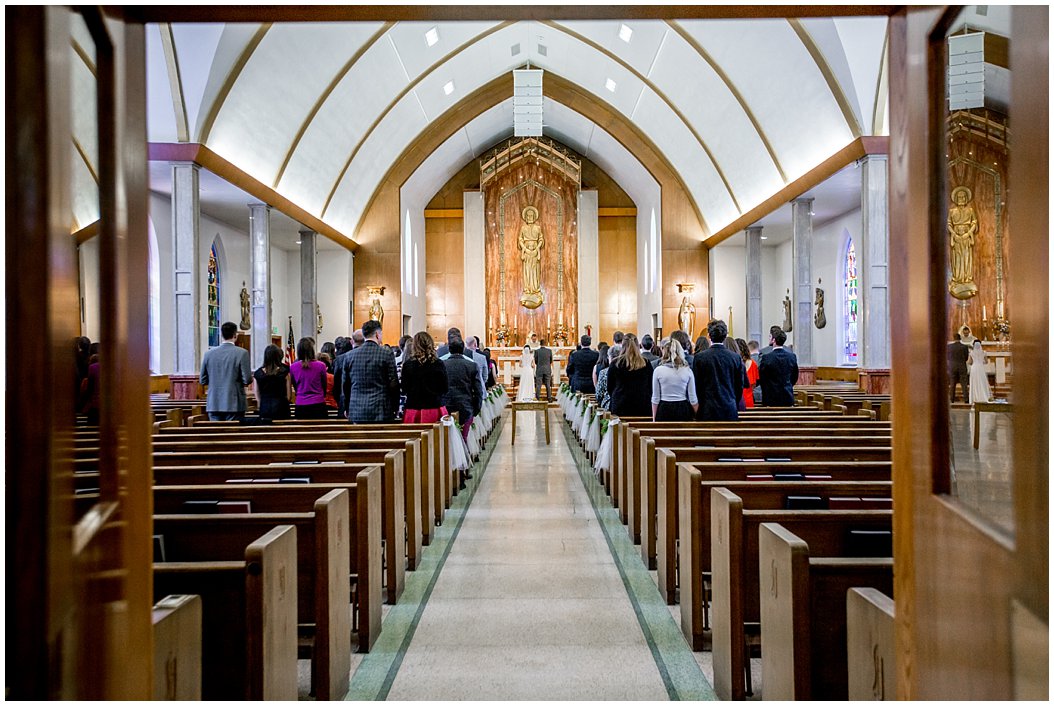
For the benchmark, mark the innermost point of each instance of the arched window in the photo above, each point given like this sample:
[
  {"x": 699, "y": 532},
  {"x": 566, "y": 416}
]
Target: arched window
[
  {"x": 214, "y": 297},
  {"x": 851, "y": 307}
]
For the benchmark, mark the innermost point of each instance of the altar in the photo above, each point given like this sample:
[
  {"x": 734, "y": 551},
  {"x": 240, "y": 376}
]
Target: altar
[{"x": 508, "y": 361}]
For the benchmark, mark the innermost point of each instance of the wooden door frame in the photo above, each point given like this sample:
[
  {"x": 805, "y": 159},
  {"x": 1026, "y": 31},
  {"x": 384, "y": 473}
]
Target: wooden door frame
[{"x": 955, "y": 574}]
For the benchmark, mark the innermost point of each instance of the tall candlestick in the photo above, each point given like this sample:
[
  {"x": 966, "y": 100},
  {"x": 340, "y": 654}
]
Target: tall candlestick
[{"x": 984, "y": 313}]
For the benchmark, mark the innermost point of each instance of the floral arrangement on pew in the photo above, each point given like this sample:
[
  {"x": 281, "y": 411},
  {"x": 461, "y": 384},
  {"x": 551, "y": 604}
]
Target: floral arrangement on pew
[
  {"x": 592, "y": 440},
  {"x": 458, "y": 451},
  {"x": 607, "y": 444}
]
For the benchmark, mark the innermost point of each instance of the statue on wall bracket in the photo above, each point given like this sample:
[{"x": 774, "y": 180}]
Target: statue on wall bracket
[
  {"x": 376, "y": 311},
  {"x": 246, "y": 322},
  {"x": 962, "y": 230},
  {"x": 821, "y": 318},
  {"x": 686, "y": 314},
  {"x": 788, "y": 319},
  {"x": 530, "y": 244}
]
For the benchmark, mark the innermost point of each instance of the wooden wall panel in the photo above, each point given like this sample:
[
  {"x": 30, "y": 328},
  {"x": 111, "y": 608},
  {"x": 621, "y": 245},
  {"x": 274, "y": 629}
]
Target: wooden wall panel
[
  {"x": 444, "y": 275},
  {"x": 618, "y": 275}
]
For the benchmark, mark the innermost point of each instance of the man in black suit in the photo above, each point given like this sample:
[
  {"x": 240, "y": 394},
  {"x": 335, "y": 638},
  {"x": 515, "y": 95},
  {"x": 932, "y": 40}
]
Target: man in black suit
[
  {"x": 778, "y": 373},
  {"x": 580, "y": 366},
  {"x": 451, "y": 333},
  {"x": 718, "y": 378},
  {"x": 647, "y": 343},
  {"x": 958, "y": 372},
  {"x": 371, "y": 386},
  {"x": 543, "y": 372}
]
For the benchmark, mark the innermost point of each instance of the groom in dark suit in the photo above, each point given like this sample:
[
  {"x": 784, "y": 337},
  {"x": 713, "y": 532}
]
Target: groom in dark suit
[
  {"x": 958, "y": 372},
  {"x": 719, "y": 377},
  {"x": 778, "y": 372},
  {"x": 543, "y": 372}
]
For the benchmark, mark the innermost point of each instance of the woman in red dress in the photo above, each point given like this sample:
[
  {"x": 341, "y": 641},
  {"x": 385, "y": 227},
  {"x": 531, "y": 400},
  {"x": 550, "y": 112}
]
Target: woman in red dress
[{"x": 752, "y": 373}]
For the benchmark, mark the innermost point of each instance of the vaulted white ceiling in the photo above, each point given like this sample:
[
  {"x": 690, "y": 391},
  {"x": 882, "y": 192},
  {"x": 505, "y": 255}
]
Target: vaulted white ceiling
[{"x": 320, "y": 112}]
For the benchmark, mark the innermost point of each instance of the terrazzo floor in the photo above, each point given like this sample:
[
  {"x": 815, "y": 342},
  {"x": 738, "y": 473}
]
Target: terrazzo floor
[{"x": 531, "y": 592}]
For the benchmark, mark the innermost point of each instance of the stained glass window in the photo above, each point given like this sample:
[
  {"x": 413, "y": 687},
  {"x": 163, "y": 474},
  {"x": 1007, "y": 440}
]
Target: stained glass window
[
  {"x": 214, "y": 298},
  {"x": 851, "y": 303}
]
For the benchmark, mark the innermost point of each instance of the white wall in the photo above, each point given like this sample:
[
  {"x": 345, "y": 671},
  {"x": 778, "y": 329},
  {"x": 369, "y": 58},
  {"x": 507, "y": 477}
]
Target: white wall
[
  {"x": 334, "y": 293},
  {"x": 728, "y": 287},
  {"x": 412, "y": 265},
  {"x": 776, "y": 266},
  {"x": 89, "y": 289},
  {"x": 649, "y": 268}
]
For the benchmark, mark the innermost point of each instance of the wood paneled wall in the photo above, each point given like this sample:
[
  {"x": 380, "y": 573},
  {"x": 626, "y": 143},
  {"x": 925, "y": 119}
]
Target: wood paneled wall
[
  {"x": 618, "y": 276},
  {"x": 445, "y": 276}
]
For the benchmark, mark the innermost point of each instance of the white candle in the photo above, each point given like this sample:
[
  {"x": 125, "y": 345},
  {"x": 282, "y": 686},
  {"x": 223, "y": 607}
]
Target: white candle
[{"x": 984, "y": 312}]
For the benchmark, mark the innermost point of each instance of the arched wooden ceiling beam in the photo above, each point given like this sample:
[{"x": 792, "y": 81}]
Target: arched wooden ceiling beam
[
  {"x": 654, "y": 89},
  {"x": 837, "y": 92},
  {"x": 409, "y": 87},
  {"x": 325, "y": 96},
  {"x": 84, "y": 158},
  {"x": 705, "y": 55},
  {"x": 232, "y": 78},
  {"x": 79, "y": 51},
  {"x": 555, "y": 87}
]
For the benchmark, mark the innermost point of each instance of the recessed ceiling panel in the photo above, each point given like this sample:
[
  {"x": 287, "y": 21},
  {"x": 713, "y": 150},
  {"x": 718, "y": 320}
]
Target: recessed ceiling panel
[
  {"x": 414, "y": 52},
  {"x": 639, "y": 52}
]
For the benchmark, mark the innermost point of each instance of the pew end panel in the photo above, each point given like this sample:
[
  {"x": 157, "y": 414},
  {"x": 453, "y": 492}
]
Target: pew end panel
[
  {"x": 690, "y": 532},
  {"x": 272, "y": 633},
  {"x": 368, "y": 556},
  {"x": 870, "y": 646},
  {"x": 784, "y": 561},
  {"x": 726, "y": 622},
  {"x": 177, "y": 648},
  {"x": 332, "y": 656},
  {"x": 394, "y": 523},
  {"x": 659, "y": 530}
]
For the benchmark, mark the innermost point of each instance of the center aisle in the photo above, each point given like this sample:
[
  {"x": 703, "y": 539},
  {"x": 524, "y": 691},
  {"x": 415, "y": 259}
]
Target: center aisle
[{"x": 530, "y": 603}]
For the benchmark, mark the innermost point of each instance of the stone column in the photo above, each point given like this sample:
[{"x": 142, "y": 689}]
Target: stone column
[
  {"x": 475, "y": 264},
  {"x": 802, "y": 293},
  {"x": 260, "y": 273},
  {"x": 186, "y": 280},
  {"x": 309, "y": 285},
  {"x": 754, "y": 323},
  {"x": 873, "y": 254},
  {"x": 588, "y": 265}
]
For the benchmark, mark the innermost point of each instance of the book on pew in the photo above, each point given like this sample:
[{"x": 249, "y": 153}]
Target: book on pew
[
  {"x": 877, "y": 503},
  {"x": 201, "y": 507},
  {"x": 295, "y": 479},
  {"x": 759, "y": 476},
  {"x": 159, "y": 548},
  {"x": 705, "y": 446},
  {"x": 788, "y": 476},
  {"x": 777, "y": 459},
  {"x": 845, "y": 504},
  {"x": 818, "y": 476},
  {"x": 240, "y": 480},
  {"x": 804, "y": 502},
  {"x": 302, "y": 462},
  {"x": 234, "y": 507},
  {"x": 870, "y": 543},
  {"x": 729, "y": 459},
  {"x": 85, "y": 491}
]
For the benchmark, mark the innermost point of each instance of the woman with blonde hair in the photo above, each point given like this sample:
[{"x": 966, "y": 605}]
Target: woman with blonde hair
[
  {"x": 629, "y": 381},
  {"x": 424, "y": 381},
  {"x": 673, "y": 396}
]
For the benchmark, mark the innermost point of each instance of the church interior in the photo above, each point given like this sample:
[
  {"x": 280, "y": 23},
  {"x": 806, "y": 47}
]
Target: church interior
[{"x": 864, "y": 188}]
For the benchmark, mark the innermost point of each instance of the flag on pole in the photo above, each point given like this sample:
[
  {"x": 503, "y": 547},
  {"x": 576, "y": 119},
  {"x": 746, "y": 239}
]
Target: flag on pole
[{"x": 290, "y": 347}]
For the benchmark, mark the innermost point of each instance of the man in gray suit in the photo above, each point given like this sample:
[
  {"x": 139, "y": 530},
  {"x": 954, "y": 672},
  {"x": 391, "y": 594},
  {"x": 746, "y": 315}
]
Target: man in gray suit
[
  {"x": 226, "y": 371},
  {"x": 543, "y": 372}
]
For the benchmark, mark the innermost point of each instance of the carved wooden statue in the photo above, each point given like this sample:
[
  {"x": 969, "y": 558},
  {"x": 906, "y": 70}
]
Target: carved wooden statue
[
  {"x": 821, "y": 319},
  {"x": 530, "y": 244},
  {"x": 788, "y": 319},
  {"x": 962, "y": 230},
  {"x": 246, "y": 322}
]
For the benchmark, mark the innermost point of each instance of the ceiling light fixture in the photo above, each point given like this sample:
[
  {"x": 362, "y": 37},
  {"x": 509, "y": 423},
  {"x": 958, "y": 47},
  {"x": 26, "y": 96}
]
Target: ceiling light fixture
[
  {"x": 432, "y": 36},
  {"x": 764, "y": 237},
  {"x": 624, "y": 33},
  {"x": 610, "y": 85},
  {"x": 448, "y": 87}
]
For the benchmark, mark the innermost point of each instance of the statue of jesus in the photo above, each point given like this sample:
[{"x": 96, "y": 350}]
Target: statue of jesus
[
  {"x": 530, "y": 244},
  {"x": 962, "y": 228}
]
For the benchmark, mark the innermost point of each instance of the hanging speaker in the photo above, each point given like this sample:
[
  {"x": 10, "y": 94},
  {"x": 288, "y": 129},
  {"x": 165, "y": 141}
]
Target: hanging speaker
[{"x": 527, "y": 102}]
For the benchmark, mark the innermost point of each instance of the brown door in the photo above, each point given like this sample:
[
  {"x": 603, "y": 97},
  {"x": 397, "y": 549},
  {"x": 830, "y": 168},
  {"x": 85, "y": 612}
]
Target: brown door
[
  {"x": 971, "y": 527},
  {"x": 79, "y": 581}
]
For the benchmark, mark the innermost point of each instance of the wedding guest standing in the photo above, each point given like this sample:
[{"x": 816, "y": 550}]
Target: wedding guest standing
[
  {"x": 424, "y": 381},
  {"x": 718, "y": 377},
  {"x": 272, "y": 385},
  {"x": 778, "y": 372},
  {"x": 372, "y": 386},
  {"x": 629, "y": 381},
  {"x": 580, "y": 367},
  {"x": 309, "y": 381},
  {"x": 751, "y": 368},
  {"x": 225, "y": 370},
  {"x": 673, "y": 394}
]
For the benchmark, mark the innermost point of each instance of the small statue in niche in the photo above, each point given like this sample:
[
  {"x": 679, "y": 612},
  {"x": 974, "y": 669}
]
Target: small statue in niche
[
  {"x": 788, "y": 319},
  {"x": 820, "y": 319},
  {"x": 686, "y": 317},
  {"x": 962, "y": 229},
  {"x": 246, "y": 322}
]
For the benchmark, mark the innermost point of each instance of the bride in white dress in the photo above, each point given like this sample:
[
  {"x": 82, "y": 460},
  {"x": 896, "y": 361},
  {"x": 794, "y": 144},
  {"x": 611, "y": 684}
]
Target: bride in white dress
[
  {"x": 526, "y": 389},
  {"x": 979, "y": 389}
]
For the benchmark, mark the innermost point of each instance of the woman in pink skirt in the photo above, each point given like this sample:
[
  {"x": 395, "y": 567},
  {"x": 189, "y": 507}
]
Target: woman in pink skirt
[{"x": 424, "y": 382}]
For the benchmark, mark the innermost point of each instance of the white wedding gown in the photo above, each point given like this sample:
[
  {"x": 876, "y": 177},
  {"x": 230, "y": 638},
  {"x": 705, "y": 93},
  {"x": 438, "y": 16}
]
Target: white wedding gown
[
  {"x": 526, "y": 389},
  {"x": 979, "y": 388}
]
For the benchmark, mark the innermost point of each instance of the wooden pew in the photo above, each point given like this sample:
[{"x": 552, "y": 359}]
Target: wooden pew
[
  {"x": 322, "y": 570},
  {"x": 364, "y": 528},
  {"x": 393, "y": 508},
  {"x": 249, "y": 636},
  {"x": 434, "y": 462},
  {"x": 870, "y": 645},
  {"x": 655, "y": 475},
  {"x": 691, "y": 564},
  {"x": 803, "y": 637},
  {"x": 734, "y": 568},
  {"x": 177, "y": 648}
]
